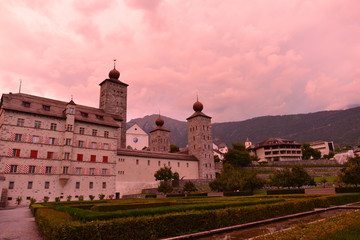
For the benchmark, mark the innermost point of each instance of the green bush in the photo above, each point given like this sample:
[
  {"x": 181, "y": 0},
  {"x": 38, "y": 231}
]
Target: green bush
[
  {"x": 347, "y": 189},
  {"x": 175, "y": 195},
  {"x": 150, "y": 196},
  {"x": 286, "y": 191},
  {"x": 242, "y": 193}
]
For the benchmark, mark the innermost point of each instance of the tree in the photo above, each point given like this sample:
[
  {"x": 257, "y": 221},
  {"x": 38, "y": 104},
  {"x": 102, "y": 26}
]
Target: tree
[
  {"x": 165, "y": 175},
  {"x": 295, "y": 177},
  {"x": 189, "y": 187},
  {"x": 216, "y": 158},
  {"x": 308, "y": 152},
  {"x": 174, "y": 148},
  {"x": 237, "y": 156},
  {"x": 330, "y": 155},
  {"x": 236, "y": 179},
  {"x": 351, "y": 173}
]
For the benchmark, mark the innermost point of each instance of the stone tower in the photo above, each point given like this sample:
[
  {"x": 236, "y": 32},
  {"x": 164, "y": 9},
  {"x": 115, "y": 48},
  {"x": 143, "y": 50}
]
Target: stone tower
[
  {"x": 200, "y": 141},
  {"x": 113, "y": 100},
  {"x": 160, "y": 137}
]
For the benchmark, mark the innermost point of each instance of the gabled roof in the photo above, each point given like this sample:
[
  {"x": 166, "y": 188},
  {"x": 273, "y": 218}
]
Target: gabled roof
[{"x": 26, "y": 103}]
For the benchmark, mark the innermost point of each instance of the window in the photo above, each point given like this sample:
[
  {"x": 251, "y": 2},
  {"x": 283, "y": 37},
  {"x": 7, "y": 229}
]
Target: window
[
  {"x": 50, "y": 155},
  {"x": 65, "y": 170},
  {"x": 106, "y": 146},
  {"x": 71, "y": 110},
  {"x": 77, "y": 185},
  {"x": 11, "y": 185},
  {"x": 13, "y": 168},
  {"x": 78, "y": 170},
  {"x": 16, "y": 152},
  {"x": 53, "y": 126},
  {"x": 79, "y": 157},
  {"x": 20, "y": 122},
  {"x": 67, "y": 156},
  {"x": 94, "y": 132},
  {"x": 32, "y": 169},
  {"x": 52, "y": 141},
  {"x": 26, "y": 104},
  {"x": 91, "y": 185},
  {"x": 18, "y": 137},
  {"x": 82, "y": 130},
  {"x": 104, "y": 185},
  {"x": 187, "y": 164},
  {"x": 137, "y": 161},
  {"x": 47, "y": 185},
  {"x": 33, "y": 153},
  {"x": 105, "y": 159},
  {"x": 30, "y": 184},
  {"x": 48, "y": 170},
  {"x": 93, "y": 158},
  {"x": 37, "y": 124},
  {"x": 104, "y": 171},
  {"x": 81, "y": 144},
  {"x": 84, "y": 114},
  {"x": 46, "y": 107},
  {"x": 148, "y": 162},
  {"x": 93, "y": 145},
  {"x": 69, "y": 127},
  {"x": 68, "y": 141},
  {"x": 35, "y": 139},
  {"x": 92, "y": 171},
  {"x": 106, "y": 134},
  {"x": 159, "y": 163},
  {"x": 178, "y": 164},
  {"x": 168, "y": 163},
  {"x": 101, "y": 117}
]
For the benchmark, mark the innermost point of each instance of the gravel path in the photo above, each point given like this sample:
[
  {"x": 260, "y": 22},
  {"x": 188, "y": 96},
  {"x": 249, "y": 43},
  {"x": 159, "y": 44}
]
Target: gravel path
[{"x": 18, "y": 223}]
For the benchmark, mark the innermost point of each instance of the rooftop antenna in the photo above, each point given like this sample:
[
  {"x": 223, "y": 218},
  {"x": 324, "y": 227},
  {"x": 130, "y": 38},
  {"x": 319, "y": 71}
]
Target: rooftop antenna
[{"x": 20, "y": 86}]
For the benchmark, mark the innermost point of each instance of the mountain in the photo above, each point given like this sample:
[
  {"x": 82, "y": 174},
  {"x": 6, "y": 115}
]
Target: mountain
[{"x": 340, "y": 126}]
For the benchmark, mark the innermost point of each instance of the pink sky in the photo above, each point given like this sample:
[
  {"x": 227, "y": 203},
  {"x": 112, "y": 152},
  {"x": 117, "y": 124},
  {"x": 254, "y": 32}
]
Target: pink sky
[{"x": 243, "y": 58}]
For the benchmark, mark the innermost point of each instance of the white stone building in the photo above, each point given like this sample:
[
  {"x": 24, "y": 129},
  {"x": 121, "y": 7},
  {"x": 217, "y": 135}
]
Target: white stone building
[
  {"x": 277, "y": 149},
  {"x": 137, "y": 138},
  {"x": 323, "y": 146},
  {"x": 51, "y": 148}
]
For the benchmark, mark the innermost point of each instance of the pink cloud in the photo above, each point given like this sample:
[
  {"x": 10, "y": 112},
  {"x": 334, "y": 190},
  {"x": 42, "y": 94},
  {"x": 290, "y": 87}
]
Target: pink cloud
[{"x": 243, "y": 58}]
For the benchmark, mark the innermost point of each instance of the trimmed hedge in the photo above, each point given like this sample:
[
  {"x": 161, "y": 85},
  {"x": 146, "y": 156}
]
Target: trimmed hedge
[
  {"x": 286, "y": 191},
  {"x": 243, "y": 193},
  {"x": 55, "y": 225},
  {"x": 150, "y": 196},
  {"x": 175, "y": 195},
  {"x": 347, "y": 189},
  {"x": 86, "y": 215}
]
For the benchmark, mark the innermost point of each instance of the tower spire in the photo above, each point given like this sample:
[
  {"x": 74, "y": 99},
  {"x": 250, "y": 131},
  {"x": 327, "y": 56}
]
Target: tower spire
[{"x": 114, "y": 63}]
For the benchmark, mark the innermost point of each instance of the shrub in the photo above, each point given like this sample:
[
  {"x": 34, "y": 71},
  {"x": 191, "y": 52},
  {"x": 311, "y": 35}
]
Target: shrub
[
  {"x": 68, "y": 198},
  {"x": 175, "y": 195},
  {"x": 150, "y": 196},
  {"x": 242, "y": 193},
  {"x": 285, "y": 191},
  {"x": 18, "y": 200},
  {"x": 189, "y": 187},
  {"x": 91, "y": 197},
  {"x": 81, "y": 198},
  {"x": 32, "y": 201},
  {"x": 46, "y": 199},
  {"x": 57, "y": 199},
  {"x": 347, "y": 189},
  {"x": 101, "y": 196}
]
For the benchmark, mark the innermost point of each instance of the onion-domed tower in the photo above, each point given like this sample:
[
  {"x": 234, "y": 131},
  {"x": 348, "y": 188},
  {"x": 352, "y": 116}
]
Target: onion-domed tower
[
  {"x": 160, "y": 137},
  {"x": 113, "y": 100},
  {"x": 200, "y": 143}
]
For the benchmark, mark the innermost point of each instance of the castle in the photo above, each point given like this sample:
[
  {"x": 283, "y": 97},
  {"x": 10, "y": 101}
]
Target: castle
[{"x": 55, "y": 149}]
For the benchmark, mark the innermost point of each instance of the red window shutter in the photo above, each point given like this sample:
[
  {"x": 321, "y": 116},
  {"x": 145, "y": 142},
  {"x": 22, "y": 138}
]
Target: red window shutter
[
  {"x": 93, "y": 158},
  {"x": 79, "y": 157},
  {"x": 33, "y": 153},
  {"x": 48, "y": 155},
  {"x": 105, "y": 159},
  {"x": 18, "y": 152}
]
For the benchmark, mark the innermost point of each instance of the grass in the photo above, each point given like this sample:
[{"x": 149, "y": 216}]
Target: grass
[
  {"x": 328, "y": 179},
  {"x": 343, "y": 226}
]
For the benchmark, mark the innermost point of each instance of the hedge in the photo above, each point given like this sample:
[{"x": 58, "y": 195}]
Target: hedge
[
  {"x": 58, "y": 225},
  {"x": 347, "y": 189},
  {"x": 286, "y": 191},
  {"x": 87, "y": 215},
  {"x": 243, "y": 193}
]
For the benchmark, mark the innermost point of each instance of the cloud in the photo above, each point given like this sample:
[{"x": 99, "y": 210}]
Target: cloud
[{"x": 243, "y": 58}]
